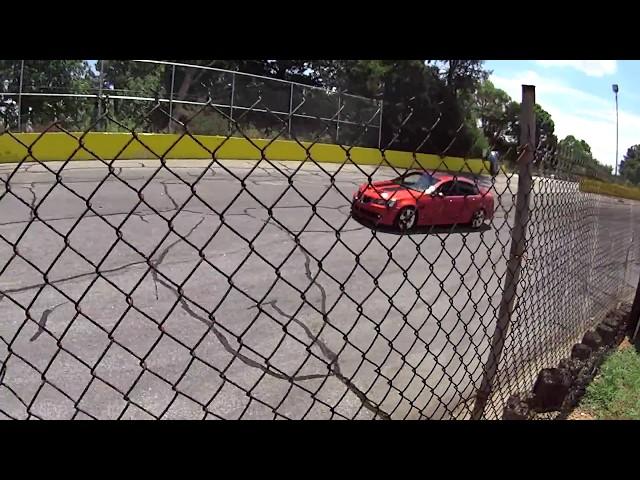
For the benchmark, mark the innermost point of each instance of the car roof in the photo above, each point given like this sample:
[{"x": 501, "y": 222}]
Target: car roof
[{"x": 443, "y": 176}]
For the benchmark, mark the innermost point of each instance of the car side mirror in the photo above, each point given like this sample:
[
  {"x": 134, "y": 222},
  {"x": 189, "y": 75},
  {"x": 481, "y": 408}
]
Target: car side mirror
[{"x": 437, "y": 194}]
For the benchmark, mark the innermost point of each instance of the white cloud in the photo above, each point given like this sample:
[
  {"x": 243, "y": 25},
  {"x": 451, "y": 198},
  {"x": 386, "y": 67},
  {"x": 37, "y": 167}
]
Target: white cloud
[
  {"x": 592, "y": 68},
  {"x": 544, "y": 86},
  {"x": 579, "y": 113}
]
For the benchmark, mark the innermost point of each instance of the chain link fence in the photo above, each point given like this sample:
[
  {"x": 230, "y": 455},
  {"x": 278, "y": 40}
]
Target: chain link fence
[
  {"x": 261, "y": 289},
  {"x": 29, "y": 103}
]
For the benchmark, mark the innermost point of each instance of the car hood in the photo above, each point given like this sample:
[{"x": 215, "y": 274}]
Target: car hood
[{"x": 388, "y": 190}]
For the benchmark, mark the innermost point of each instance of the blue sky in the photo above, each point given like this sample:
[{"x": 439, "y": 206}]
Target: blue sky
[{"x": 578, "y": 95}]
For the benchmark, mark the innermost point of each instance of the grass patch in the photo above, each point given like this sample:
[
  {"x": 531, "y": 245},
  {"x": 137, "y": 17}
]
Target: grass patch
[
  {"x": 611, "y": 189},
  {"x": 615, "y": 392}
]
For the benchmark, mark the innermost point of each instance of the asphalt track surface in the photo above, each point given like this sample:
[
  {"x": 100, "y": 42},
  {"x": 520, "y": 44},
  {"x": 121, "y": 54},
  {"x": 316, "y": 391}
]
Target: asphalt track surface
[{"x": 313, "y": 324}]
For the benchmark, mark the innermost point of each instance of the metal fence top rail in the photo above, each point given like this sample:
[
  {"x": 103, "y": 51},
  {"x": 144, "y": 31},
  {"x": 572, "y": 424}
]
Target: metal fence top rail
[
  {"x": 289, "y": 82},
  {"x": 188, "y": 102}
]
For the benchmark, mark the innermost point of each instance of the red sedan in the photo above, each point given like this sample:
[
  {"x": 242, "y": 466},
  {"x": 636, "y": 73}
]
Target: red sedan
[{"x": 421, "y": 198}]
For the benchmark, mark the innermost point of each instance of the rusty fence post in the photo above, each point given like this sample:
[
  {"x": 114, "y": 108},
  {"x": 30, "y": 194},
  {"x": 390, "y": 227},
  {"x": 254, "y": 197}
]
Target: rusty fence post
[{"x": 518, "y": 243}]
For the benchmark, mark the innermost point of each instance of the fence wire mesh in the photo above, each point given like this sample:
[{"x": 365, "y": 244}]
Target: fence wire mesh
[
  {"x": 239, "y": 289},
  {"x": 30, "y": 103}
]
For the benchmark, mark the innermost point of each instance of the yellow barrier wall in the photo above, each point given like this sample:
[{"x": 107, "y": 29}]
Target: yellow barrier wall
[{"x": 125, "y": 146}]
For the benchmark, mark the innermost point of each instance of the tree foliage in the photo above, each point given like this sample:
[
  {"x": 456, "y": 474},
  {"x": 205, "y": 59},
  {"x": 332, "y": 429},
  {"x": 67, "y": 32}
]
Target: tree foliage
[
  {"x": 630, "y": 165},
  {"x": 493, "y": 109},
  {"x": 576, "y": 155},
  {"x": 51, "y": 76},
  {"x": 499, "y": 118}
]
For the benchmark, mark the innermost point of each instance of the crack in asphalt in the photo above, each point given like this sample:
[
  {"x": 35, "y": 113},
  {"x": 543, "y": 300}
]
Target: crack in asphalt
[
  {"x": 71, "y": 181},
  {"x": 141, "y": 217},
  {"x": 166, "y": 192},
  {"x": 334, "y": 364},
  {"x": 114, "y": 269},
  {"x": 155, "y": 264},
  {"x": 366, "y": 402},
  {"x": 32, "y": 205},
  {"x": 219, "y": 335},
  {"x": 106, "y": 215},
  {"x": 236, "y": 353},
  {"x": 116, "y": 177},
  {"x": 246, "y": 212},
  {"x": 43, "y": 320},
  {"x": 72, "y": 277}
]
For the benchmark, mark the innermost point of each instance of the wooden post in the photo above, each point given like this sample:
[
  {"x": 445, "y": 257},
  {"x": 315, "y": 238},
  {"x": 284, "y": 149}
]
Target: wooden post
[{"x": 518, "y": 242}]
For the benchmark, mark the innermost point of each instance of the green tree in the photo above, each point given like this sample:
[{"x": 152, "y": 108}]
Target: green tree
[
  {"x": 545, "y": 139},
  {"x": 545, "y": 128},
  {"x": 201, "y": 84},
  {"x": 421, "y": 111},
  {"x": 492, "y": 109},
  {"x": 437, "y": 96},
  {"x": 630, "y": 165},
  {"x": 462, "y": 77},
  {"x": 575, "y": 155},
  {"x": 576, "y": 152},
  {"x": 51, "y": 76}
]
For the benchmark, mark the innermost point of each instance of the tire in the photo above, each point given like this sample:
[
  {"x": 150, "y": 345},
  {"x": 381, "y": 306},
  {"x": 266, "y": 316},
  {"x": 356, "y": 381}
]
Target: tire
[
  {"x": 478, "y": 218},
  {"x": 407, "y": 219}
]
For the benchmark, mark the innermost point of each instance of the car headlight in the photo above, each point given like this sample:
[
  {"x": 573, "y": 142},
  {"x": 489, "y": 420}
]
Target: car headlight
[{"x": 391, "y": 203}]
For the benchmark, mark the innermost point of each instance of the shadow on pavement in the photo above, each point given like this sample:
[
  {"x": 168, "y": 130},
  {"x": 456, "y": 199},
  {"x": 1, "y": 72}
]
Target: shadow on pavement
[{"x": 430, "y": 230}]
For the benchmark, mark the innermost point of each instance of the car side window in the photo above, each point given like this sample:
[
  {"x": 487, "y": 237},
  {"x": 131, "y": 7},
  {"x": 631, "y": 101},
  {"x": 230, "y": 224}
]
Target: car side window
[
  {"x": 447, "y": 189},
  {"x": 457, "y": 189},
  {"x": 465, "y": 188}
]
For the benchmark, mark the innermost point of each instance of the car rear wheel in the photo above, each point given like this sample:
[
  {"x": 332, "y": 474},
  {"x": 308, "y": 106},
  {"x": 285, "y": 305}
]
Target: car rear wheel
[
  {"x": 478, "y": 218},
  {"x": 407, "y": 219}
]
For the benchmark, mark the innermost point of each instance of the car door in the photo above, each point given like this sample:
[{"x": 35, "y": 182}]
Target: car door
[
  {"x": 471, "y": 203},
  {"x": 427, "y": 207},
  {"x": 425, "y": 204},
  {"x": 438, "y": 211},
  {"x": 453, "y": 203}
]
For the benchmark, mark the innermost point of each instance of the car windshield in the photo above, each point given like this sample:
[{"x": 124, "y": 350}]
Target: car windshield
[{"x": 417, "y": 181}]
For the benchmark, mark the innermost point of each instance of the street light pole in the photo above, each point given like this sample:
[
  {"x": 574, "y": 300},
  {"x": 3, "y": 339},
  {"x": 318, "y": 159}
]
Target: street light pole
[{"x": 615, "y": 91}]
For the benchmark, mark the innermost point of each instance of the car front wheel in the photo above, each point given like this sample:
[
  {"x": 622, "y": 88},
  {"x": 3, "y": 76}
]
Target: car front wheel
[
  {"x": 406, "y": 219},
  {"x": 478, "y": 219}
]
